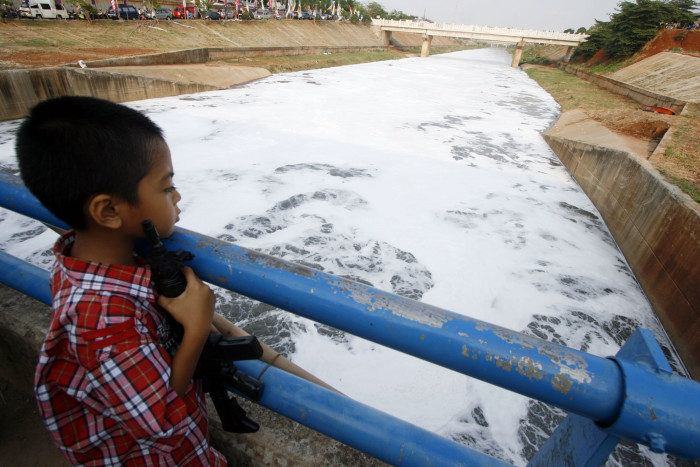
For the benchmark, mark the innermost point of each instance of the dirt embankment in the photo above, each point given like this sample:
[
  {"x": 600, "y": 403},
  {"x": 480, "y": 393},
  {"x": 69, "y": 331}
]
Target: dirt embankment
[
  {"x": 668, "y": 65},
  {"x": 26, "y": 43}
]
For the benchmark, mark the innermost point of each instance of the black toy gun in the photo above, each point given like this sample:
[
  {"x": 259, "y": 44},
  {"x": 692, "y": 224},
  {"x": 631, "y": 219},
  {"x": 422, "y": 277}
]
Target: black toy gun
[{"x": 215, "y": 367}]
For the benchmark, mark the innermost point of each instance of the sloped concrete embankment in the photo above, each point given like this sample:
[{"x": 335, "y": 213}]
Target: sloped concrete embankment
[
  {"x": 667, "y": 73},
  {"x": 656, "y": 227},
  {"x": 23, "y": 324}
]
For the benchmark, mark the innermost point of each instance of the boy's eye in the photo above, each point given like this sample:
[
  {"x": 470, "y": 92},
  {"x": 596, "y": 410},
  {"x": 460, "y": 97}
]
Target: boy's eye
[{"x": 170, "y": 189}]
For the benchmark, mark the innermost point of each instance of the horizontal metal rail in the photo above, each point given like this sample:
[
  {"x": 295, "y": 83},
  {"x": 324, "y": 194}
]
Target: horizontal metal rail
[
  {"x": 321, "y": 409},
  {"x": 594, "y": 387}
]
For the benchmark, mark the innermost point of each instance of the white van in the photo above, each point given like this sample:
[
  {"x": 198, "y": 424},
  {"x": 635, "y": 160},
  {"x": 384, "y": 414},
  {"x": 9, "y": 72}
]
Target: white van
[
  {"x": 42, "y": 9},
  {"x": 261, "y": 13}
]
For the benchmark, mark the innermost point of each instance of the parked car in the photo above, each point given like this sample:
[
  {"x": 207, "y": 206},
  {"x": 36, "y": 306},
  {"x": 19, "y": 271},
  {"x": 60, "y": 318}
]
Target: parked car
[
  {"x": 164, "y": 13},
  {"x": 213, "y": 15},
  {"x": 42, "y": 9},
  {"x": 124, "y": 12},
  {"x": 183, "y": 13},
  {"x": 306, "y": 15},
  {"x": 24, "y": 11},
  {"x": 227, "y": 13},
  {"x": 262, "y": 13}
]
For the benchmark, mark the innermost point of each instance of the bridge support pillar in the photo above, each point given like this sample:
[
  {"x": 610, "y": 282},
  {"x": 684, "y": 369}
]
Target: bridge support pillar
[
  {"x": 425, "y": 50},
  {"x": 518, "y": 53},
  {"x": 386, "y": 38},
  {"x": 569, "y": 53}
]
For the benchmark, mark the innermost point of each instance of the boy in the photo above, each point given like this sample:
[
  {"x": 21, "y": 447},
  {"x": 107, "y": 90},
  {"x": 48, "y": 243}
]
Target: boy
[{"x": 108, "y": 391}]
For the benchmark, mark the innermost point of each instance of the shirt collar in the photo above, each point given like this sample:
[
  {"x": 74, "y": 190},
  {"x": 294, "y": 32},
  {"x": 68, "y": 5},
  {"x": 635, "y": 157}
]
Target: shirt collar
[{"x": 132, "y": 280}]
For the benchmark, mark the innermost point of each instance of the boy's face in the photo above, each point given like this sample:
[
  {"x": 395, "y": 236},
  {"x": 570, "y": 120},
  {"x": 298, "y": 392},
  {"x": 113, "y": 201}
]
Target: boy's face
[{"x": 158, "y": 197}]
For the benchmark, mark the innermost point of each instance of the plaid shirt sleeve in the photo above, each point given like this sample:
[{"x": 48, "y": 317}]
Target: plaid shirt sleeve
[{"x": 102, "y": 384}]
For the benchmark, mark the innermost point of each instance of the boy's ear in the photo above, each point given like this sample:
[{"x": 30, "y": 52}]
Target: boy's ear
[{"x": 104, "y": 210}]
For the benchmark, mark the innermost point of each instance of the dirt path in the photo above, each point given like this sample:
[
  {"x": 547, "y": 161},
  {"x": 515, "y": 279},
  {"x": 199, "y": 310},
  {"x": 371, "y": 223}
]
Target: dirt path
[{"x": 578, "y": 125}]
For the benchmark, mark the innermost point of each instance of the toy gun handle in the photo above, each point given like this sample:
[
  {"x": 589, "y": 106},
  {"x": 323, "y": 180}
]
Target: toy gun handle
[{"x": 165, "y": 266}]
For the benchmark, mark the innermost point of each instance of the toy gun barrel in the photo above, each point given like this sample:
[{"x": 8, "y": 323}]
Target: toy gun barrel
[
  {"x": 152, "y": 234},
  {"x": 166, "y": 267}
]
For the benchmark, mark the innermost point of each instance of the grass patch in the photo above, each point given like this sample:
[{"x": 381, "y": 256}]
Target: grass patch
[
  {"x": 38, "y": 42},
  {"x": 689, "y": 187},
  {"x": 572, "y": 92},
  {"x": 607, "y": 67},
  {"x": 533, "y": 56},
  {"x": 290, "y": 63}
]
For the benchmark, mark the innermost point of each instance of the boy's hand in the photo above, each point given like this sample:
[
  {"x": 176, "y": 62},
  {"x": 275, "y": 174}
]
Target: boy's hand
[{"x": 194, "y": 308}]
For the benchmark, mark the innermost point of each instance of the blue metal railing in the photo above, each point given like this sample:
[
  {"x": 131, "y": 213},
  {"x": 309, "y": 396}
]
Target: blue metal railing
[{"x": 633, "y": 395}]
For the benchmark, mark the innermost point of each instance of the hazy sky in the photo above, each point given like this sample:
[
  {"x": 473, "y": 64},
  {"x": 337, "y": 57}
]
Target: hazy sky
[{"x": 555, "y": 15}]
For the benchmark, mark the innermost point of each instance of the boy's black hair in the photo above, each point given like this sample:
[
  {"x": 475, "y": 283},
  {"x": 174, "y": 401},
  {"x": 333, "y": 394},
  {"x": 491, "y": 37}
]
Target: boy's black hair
[{"x": 72, "y": 148}]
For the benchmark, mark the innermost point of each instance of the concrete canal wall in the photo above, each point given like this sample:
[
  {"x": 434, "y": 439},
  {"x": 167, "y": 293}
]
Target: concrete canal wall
[
  {"x": 657, "y": 228},
  {"x": 24, "y": 88}
]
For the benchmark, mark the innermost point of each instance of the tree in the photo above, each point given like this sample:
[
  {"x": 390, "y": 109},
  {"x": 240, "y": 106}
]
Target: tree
[
  {"x": 87, "y": 8},
  {"x": 631, "y": 27},
  {"x": 374, "y": 9},
  {"x": 151, "y": 5},
  {"x": 570, "y": 31},
  {"x": 581, "y": 30},
  {"x": 598, "y": 36},
  {"x": 685, "y": 5},
  {"x": 5, "y": 6},
  {"x": 397, "y": 14},
  {"x": 203, "y": 7}
]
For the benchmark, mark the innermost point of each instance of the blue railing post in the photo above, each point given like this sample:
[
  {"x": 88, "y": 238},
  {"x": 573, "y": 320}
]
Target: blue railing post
[{"x": 580, "y": 442}]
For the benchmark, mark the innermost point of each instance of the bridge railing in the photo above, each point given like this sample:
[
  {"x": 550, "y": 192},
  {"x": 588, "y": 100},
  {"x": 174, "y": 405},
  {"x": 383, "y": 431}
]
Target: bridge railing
[
  {"x": 633, "y": 395},
  {"x": 514, "y": 32}
]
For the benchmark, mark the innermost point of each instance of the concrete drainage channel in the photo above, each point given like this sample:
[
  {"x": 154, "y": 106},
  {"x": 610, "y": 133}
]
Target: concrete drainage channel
[{"x": 654, "y": 224}]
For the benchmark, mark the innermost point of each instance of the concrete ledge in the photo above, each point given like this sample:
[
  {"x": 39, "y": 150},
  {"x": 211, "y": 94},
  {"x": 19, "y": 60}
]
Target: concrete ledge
[
  {"x": 643, "y": 96},
  {"x": 656, "y": 227},
  {"x": 24, "y": 323},
  {"x": 22, "y": 89},
  {"x": 208, "y": 54}
]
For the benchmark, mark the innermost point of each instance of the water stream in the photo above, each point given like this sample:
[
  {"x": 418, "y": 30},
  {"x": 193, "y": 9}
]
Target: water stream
[{"x": 424, "y": 177}]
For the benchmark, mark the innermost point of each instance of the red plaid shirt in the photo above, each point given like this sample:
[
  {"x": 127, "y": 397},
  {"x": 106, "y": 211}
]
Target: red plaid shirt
[{"x": 102, "y": 382}]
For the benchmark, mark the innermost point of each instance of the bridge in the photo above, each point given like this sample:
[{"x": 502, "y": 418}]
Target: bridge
[{"x": 508, "y": 35}]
